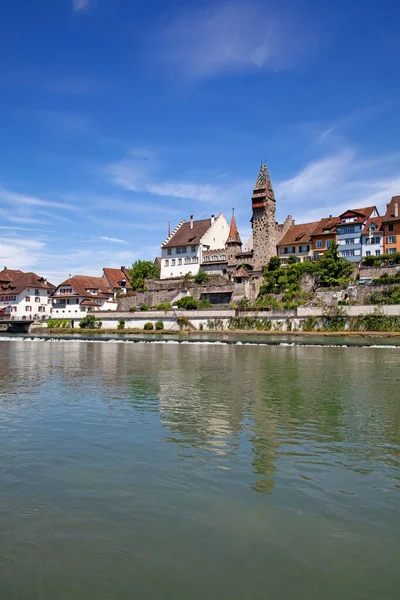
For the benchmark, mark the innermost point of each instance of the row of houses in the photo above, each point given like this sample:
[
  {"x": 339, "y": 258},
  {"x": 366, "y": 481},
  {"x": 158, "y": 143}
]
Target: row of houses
[
  {"x": 30, "y": 296},
  {"x": 359, "y": 232}
]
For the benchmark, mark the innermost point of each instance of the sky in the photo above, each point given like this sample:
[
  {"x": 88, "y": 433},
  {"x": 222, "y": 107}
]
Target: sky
[{"x": 118, "y": 116}]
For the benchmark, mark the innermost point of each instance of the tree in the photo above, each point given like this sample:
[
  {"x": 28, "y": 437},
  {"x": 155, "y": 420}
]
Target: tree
[
  {"x": 274, "y": 263},
  {"x": 292, "y": 260},
  {"x": 201, "y": 277},
  {"x": 333, "y": 269},
  {"x": 90, "y": 322},
  {"x": 141, "y": 270},
  {"x": 188, "y": 303}
]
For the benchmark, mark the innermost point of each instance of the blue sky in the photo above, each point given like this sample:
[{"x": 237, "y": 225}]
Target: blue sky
[{"x": 117, "y": 116}]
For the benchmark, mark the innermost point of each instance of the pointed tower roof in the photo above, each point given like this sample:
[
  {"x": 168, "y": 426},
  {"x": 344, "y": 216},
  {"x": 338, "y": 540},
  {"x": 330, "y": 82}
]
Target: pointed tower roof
[
  {"x": 263, "y": 190},
  {"x": 234, "y": 237}
]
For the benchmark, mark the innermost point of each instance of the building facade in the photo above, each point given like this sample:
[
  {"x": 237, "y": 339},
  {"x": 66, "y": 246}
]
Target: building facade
[
  {"x": 323, "y": 236},
  {"x": 78, "y": 295},
  {"x": 372, "y": 238},
  {"x": 297, "y": 243},
  {"x": 182, "y": 251},
  {"x": 24, "y": 295},
  {"x": 117, "y": 280},
  {"x": 391, "y": 227},
  {"x": 349, "y": 230},
  {"x": 263, "y": 221}
]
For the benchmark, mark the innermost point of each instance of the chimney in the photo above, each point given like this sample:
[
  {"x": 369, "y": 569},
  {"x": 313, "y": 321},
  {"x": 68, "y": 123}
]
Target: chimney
[
  {"x": 212, "y": 219},
  {"x": 191, "y": 222},
  {"x": 330, "y": 217},
  {"x": 5, "y": 268},
  {"x": 396, "y": 208}
]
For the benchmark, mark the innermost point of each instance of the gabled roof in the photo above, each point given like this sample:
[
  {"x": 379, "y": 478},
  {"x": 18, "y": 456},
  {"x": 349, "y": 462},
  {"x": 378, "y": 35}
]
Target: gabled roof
[
  {"x": 82, "y": 283},
  {"x": 390, "y": 210},
  {"x": 360, "y": 213},
  {"x": 115, "y": 276},
  {"x": 242, "y": 273},
  {"x": 326, "y": 226},
  {"x": 185, "y": 235},
  {"x": 373, "y": 221},
  {"x": 233, "y": 237},
  {"x": 298, "y": 234},
  {"x": 21, "y": 281},
  {"x": 8, "y": 275}
]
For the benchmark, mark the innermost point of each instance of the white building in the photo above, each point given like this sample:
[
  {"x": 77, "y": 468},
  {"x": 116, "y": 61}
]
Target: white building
[
  {"x": 24, "y": 295},
  {"x": 118, "y": 280},
  {"x": 79, "y": 294},
  {"x": 182, "y": 251},
  {"x": 372, "y": 237}
]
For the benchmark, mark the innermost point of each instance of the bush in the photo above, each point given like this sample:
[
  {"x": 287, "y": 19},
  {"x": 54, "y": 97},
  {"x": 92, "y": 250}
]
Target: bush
[
  {"x": 215, "y": 324},
  {"x": 292, "y": 260},
  {"x": 389, "y": 296},
  {"x": 182, "y": 322},
  {"x": 144, "y": 307},
  {"x": 201, "y": 277},
  {"x": 187, "y": 303},
  {"x": 159, "y": 325},
  {"x": 274, "y": 263},
  {"x": 165, "y": 306},
  {"x": 251, "y": 323},
  {"x": 204, "y": 303},
  {"x": 309, "y": 324},
  {"x": 148, "y": 326},
  {"x": 121, "y": 324},
  {"x": 244, "y": 303},
  {"x": 335, "y": 319},
  {"x": 132, "y": 309},
  {"x": 90, "y": 322}
]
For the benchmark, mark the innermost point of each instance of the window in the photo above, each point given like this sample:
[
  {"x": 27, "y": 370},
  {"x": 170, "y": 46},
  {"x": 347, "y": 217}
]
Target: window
[
  {"x": 27, "y": 299},
  {"x": 37, "y": 299},
  {"x": 28, "y": 308},
  {"x": 318, "y": 244},
  {"x": 42, "y": 308},
  {"x": 166, "y": 262},
  {"x": 391, "y": 239},
  {"x": 37, "y": 292},
  {"x": 349, "y": 241},
  {"x": 49, "y": 301},
  {"x": 346, "y": 230},
  {"x": 188, "y": 261},
  {"x": 328, "y": 243},
  {"x": 179, "y": 261},
  {"x": 345, "y": 253},
  {"x": 193, "y": 249},
  {"x": 195, "y": 260},
  {"x": 173, "y": 262},
  {"x": 169, "y": 251},
  {"x": 377, "y": 252},
  {"x": 391, "y": 250},
  {"x": 178, "y": 250},
  {"x": 303, "y": 249},
  {"x": 181, "y": 250},
  {"x": 368, "y": 253},
  {"x": 391, "y": 227}
]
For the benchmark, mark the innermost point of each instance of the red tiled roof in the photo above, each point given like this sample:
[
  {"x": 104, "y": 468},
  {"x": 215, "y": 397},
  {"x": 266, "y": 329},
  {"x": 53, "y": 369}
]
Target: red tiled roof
[
  {"x": 374, "y": 220},
  {"x": 88, "y": 303},
  {"x": 20, "y": 281},
  {"x": 240, "y": 273},
  {"x": 233, "y": 237},
  {"x": 82, "y": 283},
  {"x": 390, "y": 210},
  {"x": 8, "y": 275},
  {"x": 186, "y": 236},
  {"x": 115, "y": 276},
  {"x": 360, "y": 213},
  {"x": 298, "y": 234},
  {"x": 328, "y": 223}
]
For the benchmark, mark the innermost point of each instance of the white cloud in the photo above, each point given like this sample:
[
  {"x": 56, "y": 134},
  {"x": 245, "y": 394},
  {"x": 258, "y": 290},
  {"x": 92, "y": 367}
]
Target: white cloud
[
  {"x": 13, "y": 198},
  {"x": 332, "y": 184},
  {"x": 234, "y": 36},
  {"x": 80, "y": 5},
  {"x": 21, "y": 254},
  {"x": 112, "y": 240}
]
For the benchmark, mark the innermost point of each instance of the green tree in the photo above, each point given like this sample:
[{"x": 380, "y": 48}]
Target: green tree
[
  {"x": 201, "y": 277},
  {"x": 274, "y": 263},
  {"x": 333, "y": 269},
  {"x": 141, "y": 270},
  {"x": 187, "y": 303}
]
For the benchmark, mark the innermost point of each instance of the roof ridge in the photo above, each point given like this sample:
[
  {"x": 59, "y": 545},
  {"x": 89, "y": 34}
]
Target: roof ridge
[{"x": 173, "y": 232}]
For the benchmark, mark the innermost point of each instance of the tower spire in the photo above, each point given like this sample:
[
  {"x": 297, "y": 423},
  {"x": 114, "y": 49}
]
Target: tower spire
[{"x": 233, "y": 237}]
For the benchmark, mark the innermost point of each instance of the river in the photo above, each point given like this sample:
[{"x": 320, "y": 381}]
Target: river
[{"x": 198, "y": 471}]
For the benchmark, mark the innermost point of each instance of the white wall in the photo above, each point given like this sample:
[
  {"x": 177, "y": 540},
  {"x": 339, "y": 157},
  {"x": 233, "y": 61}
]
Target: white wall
[
  {"x": 21, "y": 307},
  {"x": 373, "y": 248},
  {"x": 217, "y": 234}
]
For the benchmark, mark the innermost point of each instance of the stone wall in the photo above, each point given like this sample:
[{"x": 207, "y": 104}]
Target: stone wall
[{"x": 375, "y": 272}]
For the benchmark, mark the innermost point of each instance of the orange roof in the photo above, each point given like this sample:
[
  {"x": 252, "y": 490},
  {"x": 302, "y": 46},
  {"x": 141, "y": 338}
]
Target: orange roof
[
  {"x": 298, "y": 234},
  {"x": 390, "y": 210},
  {"x": 233, "y": 237},
  {"x": 326, "y": 226},
  {"x": 374, "y": 220},
  {"x": 82, "y": 283},
  {"x": 185, "y": 235},
  {"x": 360, "y": 213},
  {"x": 20, "y": 281},
  {"x": 115, "y": 276}
]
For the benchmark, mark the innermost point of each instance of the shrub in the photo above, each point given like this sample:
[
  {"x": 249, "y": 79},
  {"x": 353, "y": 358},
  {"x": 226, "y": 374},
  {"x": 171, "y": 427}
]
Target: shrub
[
  {"x": 244, "y": 303},
  {"x": 159, "y": 325},
  {"x": 90, "y": 322},
  {"x": 204, "y": 303},
  {"x": 165, "y": 306},
  {"x": 148, "y": 326},
  {"x": 182, "y": 322},
  {"x": 292, "y": 260},
  {"x": 132, "y": 309},
  {"x": 215, "y": 324},
  {"x": 144, "y": 307},
  {"x": 187, "y": 303},
  {"x": 201, "y": 277},
  {"x": 335, "y": 319},
  {"x": 274, "y": 263},
  {"x": 121, "y": 324},
  {"x": 309, "y": 324}
]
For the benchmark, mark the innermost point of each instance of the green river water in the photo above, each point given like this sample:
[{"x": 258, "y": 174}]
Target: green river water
[{"x": 198, "y": 471}]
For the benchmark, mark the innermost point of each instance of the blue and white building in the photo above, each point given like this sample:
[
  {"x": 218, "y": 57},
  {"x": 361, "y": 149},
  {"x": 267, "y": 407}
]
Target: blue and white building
[{"x": 350, "y": 230}]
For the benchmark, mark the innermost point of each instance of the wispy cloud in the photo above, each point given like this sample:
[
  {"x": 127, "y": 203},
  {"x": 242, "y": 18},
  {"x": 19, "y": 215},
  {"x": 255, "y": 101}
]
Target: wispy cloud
[
  {"x": 234, "y": 36},
  {"x": 14, "y": 198},
  {"x": 21, "y": 254},
  {"x": 343, "y": 180},
  {"x": 80, "y": 5},
  {"x": 112, "y": 240}
]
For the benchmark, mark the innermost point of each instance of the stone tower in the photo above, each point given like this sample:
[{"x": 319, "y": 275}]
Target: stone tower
[
  {"x": 233, "y": 243},
  {"x": 263, "y": 220}
]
